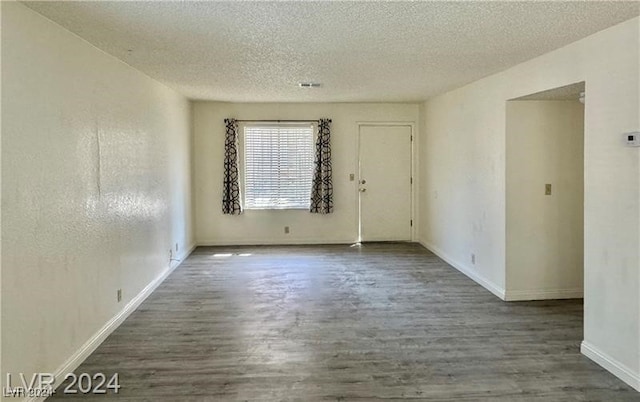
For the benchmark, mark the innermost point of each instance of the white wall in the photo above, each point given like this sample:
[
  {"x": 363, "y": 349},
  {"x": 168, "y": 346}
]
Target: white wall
[
  {"x": 267, "y": 227},
  {"x": 463, "y": 179},
  {"x": 96, "y": 189},
  {"x": 544, "y": 235},
  {"x": 1, "y": 35}
]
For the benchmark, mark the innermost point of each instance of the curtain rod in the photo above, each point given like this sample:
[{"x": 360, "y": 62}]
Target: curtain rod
[{"x": 278, "y": 121}]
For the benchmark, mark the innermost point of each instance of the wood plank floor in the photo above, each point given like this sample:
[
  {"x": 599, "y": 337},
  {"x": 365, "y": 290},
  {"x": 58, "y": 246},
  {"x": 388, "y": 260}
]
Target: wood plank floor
[{"x": 340, "y": 323}]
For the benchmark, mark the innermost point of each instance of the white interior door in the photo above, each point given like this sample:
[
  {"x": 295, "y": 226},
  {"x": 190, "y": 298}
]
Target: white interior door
[{"x": 385, "y": 183}]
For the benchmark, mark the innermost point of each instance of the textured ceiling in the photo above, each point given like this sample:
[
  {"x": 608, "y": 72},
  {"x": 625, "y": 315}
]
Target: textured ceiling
[{"x": 359, "y": 51}]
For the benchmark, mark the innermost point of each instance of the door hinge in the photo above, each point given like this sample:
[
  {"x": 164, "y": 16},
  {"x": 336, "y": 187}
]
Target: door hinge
[
  {"x": 411, "y": 138},
  {"x": 411, "y": 180},
  {"x": 411, "y": 222}
]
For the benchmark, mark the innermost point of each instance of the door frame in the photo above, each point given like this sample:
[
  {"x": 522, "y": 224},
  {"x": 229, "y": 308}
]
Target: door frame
[{"x": 414, "y": 172}]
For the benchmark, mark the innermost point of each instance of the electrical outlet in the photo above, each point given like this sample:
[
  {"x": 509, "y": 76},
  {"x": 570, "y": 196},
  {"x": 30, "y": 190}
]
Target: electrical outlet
[
  {"x": 547, "y": 189},
  {"x": 473, "y": 258},
  {"x": 119, "y": 295},
  {"x": 286, "y": 230}
]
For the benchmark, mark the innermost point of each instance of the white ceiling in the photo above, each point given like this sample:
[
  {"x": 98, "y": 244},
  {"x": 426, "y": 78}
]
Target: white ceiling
[
  {"x": 359, "y": 51},
  {"x": 567, "y": 93}
]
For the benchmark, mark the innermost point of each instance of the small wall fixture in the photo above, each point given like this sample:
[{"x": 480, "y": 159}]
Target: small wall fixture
[
  {"x": 309, "y": 84},
  {"x": 632, "y": 139}
]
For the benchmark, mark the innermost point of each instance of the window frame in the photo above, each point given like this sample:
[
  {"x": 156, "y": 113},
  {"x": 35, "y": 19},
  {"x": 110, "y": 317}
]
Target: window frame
[{"x": 242, "y": 160}]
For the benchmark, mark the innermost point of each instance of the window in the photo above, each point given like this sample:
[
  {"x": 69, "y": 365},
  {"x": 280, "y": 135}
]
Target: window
[{"x": 278, "y": 166}]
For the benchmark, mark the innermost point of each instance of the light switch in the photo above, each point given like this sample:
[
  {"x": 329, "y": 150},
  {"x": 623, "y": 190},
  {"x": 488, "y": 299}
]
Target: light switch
[
  {"x": 547, "y": 189},
  {"x": 352, "y": 177}
]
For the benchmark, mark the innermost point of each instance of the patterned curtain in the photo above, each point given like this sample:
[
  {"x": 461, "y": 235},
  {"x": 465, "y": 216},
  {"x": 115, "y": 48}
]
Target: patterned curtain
[
  {"x": 231, "y": 192},
  {"x": 322, "y": 187}
]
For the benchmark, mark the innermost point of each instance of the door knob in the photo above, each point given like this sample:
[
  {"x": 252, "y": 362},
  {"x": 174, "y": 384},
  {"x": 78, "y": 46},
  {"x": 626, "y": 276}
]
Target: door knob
[
  {"x": 362, "y": 190},
  {"x": 363, "y": 181}
]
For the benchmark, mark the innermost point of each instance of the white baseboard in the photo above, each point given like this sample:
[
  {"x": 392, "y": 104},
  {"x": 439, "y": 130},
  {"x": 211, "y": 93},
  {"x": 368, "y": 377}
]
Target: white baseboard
[
  {"x": 610, "y": 364},
  {"x": 92, "y": 343},
  {"x": 543, "y": 294},
  {"x": 270, "y": 242},
  {"x": 475, "y": 276}
]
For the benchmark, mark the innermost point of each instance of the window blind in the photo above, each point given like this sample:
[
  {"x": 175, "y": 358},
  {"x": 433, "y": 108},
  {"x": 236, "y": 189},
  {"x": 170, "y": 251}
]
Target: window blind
[{"x": 278, "y": 166}]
